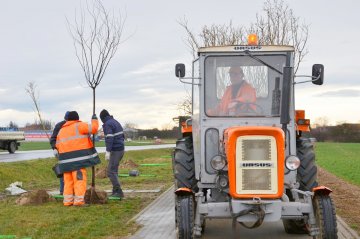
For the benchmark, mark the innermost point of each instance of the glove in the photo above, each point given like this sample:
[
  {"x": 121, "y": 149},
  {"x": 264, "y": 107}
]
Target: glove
[
  {"x": 94, "y": 117},
  {"x": 56, "y": 153},
  {"x": 107, "y": 156}
]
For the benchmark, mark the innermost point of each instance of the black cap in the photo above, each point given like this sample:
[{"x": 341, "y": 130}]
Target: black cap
[
  {"x": 73, "y": 115},
  {"x": 66, "y": 115},
  {"x": 103, "y": 114}
]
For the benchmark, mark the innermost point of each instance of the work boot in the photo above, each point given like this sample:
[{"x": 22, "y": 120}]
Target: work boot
[{"x": 117, "y": 192}]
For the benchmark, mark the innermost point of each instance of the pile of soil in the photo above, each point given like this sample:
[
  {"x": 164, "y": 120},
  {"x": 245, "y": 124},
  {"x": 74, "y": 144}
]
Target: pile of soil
[
  {"x": 34, "y": 198},
  {"x": 345, "y": 196},
  {"x": 101, "y": 172},
  {"x": 100, "y": 199},
  {"x": 128, "y": 164}
]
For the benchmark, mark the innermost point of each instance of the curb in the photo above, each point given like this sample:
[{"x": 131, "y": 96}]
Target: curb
[{"x": 348, "y": 233}]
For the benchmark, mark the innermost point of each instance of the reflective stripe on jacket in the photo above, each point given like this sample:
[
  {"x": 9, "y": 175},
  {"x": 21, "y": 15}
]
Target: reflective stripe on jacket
[{"x": 75, "y": 147}]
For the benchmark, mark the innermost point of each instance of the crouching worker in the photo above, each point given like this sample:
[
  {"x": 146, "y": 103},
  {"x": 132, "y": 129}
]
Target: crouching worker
[{"x": 76, "y": 152}]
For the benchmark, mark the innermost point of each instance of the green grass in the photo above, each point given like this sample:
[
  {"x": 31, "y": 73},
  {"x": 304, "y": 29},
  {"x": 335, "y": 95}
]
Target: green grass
[
  {"x": 34, "y": 145},
  {"x": 53, "y": 220},
  {"x": 340, "y": 159}
]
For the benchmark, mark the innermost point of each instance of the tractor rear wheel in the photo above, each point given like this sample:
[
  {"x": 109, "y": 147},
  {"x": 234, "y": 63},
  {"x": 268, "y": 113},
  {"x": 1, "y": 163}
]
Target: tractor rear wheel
[
  {"x": 306, "y": 176},
  {"x": 307, "y": 172},
  {"x": 185, "y": 216},
  {"x": 184, "y": 165},
  {"x": 325, "y": 216}
]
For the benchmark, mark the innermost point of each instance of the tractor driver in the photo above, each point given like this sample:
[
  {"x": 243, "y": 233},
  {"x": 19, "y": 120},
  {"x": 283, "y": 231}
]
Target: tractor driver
[{"x": 239, "y": 96}]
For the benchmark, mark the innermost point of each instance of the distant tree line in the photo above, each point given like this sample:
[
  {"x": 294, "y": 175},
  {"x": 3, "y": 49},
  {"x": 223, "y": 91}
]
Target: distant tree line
[
  {"x": 339, "y": 133},
  {"x": 155, "y": 132},
  {"x": 37, "y": 125}
]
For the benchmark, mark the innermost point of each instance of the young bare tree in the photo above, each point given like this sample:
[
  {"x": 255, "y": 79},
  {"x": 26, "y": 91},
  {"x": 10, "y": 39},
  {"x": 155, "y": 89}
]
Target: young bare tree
[
  {"x": 276, "y": 26},
  {"x": 185, "y": 106},
  {"x": 97, "y": 34},
  {"x": 34, "y": 95},
  {"x": 279, "y": 26},
  {"x": 130, "y": 125},
  {"x": 214, "y": 35}
]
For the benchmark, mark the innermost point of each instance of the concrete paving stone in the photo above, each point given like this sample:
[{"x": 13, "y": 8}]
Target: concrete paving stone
[
  {"x": 158, "y": 218},
  {"x": 157, "y": 221}
]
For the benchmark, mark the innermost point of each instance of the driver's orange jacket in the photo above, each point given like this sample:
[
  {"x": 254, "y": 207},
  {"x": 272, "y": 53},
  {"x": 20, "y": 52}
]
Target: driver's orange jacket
[
  {"x": 246, "y": 94},
  {"x": 76, "y": 150}
]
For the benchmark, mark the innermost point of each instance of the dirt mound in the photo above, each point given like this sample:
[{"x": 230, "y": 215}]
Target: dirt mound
[
  {"x": 101, "y": 172},
  {"x": 100, "y": 197},
  {"x": 345, "y": 196},
  {"x": 34, "y": 198},
  {"x": 128, "y": 164}
]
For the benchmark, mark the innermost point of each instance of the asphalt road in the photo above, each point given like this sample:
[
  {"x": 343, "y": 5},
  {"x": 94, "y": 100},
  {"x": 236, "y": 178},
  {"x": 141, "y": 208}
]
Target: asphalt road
[{"x": 5, "y": 157}]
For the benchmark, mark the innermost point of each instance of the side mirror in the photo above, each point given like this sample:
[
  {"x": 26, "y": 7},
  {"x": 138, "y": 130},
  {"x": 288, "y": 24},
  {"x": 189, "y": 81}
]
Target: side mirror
[
  {"x": 180, "y": 70},
  {"x": 318, "y": 74}
]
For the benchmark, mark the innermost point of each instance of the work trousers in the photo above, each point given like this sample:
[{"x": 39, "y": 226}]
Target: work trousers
[
  {"x": 61, "y": 185},
  {"x": 74, "y": 187},
  {"x": 113, "y": 167}
]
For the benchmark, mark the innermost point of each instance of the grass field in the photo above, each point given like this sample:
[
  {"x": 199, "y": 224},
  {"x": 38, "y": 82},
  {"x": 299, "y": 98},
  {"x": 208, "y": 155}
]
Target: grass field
[
  {"x": 53, "y": 220},
  {"x": 340, "y": 159},
  {"x": 35, "y": 145}
]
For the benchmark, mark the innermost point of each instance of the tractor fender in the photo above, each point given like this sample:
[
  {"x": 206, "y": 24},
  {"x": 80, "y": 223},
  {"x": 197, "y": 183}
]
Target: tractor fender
[
  {"x": 321, "y": 190},
  {"x": 183, "y": 191}
]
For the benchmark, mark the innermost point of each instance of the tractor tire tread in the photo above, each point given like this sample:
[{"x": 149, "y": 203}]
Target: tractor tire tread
[
  {"x": 185, "y": 216},
  {"x": 307, "y": 172},
  {"x": 325, "y": 210},
  {"x": 184, "y": 164}
]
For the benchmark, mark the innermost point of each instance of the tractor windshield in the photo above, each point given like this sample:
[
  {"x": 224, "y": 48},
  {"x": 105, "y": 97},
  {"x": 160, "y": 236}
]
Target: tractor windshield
[{"x": 240, "y": 86}]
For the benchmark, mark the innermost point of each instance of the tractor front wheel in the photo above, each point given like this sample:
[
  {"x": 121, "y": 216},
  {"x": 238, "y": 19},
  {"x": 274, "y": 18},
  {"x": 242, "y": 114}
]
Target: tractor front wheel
[
  {"x": 185, "y": 216},
  {"x": 325, "y": 216}
]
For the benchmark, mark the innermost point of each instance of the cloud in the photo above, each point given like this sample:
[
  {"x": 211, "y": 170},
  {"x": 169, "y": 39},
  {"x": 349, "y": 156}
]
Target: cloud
[
  {"x": 341, "y": 93},
  {"x": 153, "y": 68}
]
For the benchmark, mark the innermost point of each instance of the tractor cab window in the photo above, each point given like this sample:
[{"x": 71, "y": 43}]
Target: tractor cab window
[{"x": 239, "y": 86}]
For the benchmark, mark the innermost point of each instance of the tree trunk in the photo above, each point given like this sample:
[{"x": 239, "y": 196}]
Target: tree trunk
[{"x": 93, "y": 139}]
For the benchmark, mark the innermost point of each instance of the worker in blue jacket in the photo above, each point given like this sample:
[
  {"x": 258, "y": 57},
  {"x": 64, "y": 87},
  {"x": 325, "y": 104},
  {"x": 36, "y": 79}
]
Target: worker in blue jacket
[{"x": 114, "y": 141}]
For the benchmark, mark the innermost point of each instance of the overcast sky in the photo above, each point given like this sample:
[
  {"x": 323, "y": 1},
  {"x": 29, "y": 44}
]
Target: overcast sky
[{"x": 140, "y": 86}]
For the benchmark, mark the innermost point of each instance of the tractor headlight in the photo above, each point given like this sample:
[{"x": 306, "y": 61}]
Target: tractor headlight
[
  {"x": 292, "y": 162},
  {"x": 218, "y": 162}
]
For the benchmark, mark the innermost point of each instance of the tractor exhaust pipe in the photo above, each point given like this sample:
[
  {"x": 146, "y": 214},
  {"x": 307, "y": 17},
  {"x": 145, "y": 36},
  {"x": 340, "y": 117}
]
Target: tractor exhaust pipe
[{"x": 285, "y": 102}]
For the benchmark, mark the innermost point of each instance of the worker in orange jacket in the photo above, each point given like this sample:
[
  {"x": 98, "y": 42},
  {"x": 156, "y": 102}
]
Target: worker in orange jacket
[
  {"x": 76, "y": 152},
  {"x": 240, "y": 96}
]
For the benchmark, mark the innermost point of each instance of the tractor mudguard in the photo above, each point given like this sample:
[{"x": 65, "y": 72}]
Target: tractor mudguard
[
  {"x": 183, "y": 191},
  {"x": 321, "y": 190}
]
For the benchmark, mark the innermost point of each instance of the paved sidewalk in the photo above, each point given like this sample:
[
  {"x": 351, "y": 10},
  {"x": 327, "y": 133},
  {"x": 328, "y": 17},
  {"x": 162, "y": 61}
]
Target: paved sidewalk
[{"x": 158, "y": 218}]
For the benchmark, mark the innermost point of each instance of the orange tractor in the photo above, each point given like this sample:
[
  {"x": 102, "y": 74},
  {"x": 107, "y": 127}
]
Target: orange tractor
[{"x": 242, "y": 156}]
